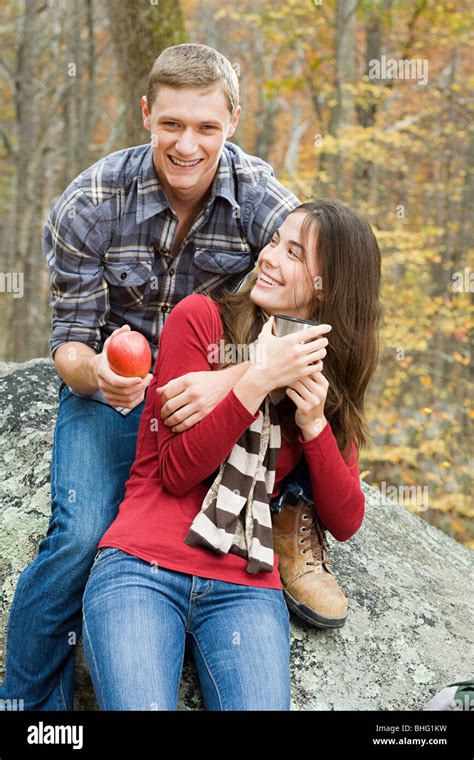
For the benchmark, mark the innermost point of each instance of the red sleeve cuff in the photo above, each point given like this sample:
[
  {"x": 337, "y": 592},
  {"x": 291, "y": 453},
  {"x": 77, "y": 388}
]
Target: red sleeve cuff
[
  {"x": 241, "y": 409},
  {"x": 319, "y": 440}
]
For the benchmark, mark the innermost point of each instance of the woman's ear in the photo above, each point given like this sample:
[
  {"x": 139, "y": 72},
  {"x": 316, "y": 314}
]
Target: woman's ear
[
  {"x": 318, "y": 294},
  {"x": 317, "y": 282}
]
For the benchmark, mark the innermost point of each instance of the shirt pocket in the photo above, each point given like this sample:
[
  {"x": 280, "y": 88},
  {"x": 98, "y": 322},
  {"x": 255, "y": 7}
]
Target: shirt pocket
[
  {"x": 213, "y": 266},
  {"x": 222, "y": 261},
  {"x": 129, "y": 281}
]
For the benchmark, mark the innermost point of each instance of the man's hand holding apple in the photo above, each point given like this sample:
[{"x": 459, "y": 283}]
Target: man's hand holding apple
[{"x": 126, "y": 392}]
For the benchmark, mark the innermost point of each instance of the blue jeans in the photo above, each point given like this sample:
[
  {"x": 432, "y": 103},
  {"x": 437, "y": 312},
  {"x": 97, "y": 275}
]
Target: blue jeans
[
  {"x": 136, "y": 619},
  {"x": 93, "y": 450}
]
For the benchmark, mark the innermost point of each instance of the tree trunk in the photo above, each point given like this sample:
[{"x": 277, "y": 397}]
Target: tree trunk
[
  {"x": 342, "y": 113},
  {"x": 26, "y": 97},
  {"x": 367, "y": 109},
  {"x": 140, "y": 31}
]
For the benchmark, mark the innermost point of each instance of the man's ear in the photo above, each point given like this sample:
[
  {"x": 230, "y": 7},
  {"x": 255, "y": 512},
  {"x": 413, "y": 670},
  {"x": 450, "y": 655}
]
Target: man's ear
[
  {"x": 146, "y": 113},
  {"x": 234, "y": 122}
]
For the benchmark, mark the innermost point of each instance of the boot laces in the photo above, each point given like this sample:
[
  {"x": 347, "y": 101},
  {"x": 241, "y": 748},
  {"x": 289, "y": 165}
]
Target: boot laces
[{"x": 318, "y": 541}]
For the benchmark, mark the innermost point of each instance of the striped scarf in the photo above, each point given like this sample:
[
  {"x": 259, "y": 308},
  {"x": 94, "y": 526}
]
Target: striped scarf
[{"x": 235, "y": 514}]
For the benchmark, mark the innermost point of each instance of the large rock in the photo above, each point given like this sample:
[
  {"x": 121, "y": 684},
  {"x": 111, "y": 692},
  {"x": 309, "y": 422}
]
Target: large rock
[{"x": 409, "y": 585}]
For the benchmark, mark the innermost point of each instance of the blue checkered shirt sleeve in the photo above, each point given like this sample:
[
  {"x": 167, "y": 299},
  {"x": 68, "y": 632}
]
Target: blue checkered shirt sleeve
[{"x": 74, "y": 238}]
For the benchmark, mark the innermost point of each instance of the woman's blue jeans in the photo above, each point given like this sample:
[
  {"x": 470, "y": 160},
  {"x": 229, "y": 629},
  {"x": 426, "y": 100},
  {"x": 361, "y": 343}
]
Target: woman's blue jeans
[{"x": 136, "y": 619}]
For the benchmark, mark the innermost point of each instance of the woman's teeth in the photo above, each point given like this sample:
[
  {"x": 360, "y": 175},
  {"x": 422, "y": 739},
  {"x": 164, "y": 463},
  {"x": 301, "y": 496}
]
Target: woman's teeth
[
  {"x": 177, "y": 162},
  {"x": 269, "y": 280}
]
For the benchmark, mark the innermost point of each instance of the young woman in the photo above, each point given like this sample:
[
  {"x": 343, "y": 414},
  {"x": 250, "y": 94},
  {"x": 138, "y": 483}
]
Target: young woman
[{"x": 151, "y": 586}]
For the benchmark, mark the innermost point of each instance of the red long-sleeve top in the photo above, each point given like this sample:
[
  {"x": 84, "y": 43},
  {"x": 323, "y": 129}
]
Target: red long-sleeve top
[{"x": 172, "y": 472}]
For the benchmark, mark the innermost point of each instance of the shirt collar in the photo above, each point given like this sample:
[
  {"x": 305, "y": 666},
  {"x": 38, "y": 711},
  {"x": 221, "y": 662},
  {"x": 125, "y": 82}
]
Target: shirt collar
[
  {"x": 223, "y": 184},
  {"x": 151, "y": 198}
]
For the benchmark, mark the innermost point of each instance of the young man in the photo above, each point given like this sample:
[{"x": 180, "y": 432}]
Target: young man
[{"x": 128, "y": 239}]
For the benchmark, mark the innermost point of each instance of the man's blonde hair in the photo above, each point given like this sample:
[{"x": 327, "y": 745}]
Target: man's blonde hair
[{"x": 191, "y": 65}]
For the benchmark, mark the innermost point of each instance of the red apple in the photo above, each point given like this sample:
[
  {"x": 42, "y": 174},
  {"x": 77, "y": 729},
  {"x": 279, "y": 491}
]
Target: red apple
[{"x": 129, "y": 354}]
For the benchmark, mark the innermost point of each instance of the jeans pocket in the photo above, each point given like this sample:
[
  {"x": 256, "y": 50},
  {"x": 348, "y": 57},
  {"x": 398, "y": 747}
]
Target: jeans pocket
[{"x": 105, "y": 553}]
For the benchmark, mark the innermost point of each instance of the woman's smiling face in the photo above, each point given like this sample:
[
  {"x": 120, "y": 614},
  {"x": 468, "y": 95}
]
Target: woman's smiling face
[{"x": 283, "y": 286}]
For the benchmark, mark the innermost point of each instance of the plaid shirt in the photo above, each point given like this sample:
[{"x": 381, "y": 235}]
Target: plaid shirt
[{"x": 107, "y": 242}]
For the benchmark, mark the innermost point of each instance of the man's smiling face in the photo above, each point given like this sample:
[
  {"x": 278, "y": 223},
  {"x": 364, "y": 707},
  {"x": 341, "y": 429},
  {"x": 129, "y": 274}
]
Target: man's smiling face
[{"x": 188, "y": 129}]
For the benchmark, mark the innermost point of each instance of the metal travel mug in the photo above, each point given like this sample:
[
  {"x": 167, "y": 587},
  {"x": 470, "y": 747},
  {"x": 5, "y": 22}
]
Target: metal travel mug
[{"x": 286, "y": 325}]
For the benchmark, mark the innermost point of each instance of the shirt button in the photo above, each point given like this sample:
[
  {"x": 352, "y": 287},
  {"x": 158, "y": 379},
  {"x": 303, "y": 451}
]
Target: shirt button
[
  {"x": 164, "y": 309},
  {"x": 123, "y": 276},
  {"x": 171, "y": 272}
]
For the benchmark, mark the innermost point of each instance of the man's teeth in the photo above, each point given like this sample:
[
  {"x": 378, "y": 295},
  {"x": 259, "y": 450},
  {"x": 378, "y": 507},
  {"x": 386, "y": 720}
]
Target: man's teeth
[
  {"x": 184, "y": 163},
  {"x": 268, "y": 279}
]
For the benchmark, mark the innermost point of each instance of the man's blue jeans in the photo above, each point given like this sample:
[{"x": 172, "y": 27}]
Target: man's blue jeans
[
  {"x": 93, "y": 450},
  {"x": 137, "y": 616}
]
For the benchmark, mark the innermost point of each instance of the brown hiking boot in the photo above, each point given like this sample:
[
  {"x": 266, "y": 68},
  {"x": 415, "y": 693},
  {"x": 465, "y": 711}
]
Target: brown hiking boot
[{"x": 309, "y": 586}]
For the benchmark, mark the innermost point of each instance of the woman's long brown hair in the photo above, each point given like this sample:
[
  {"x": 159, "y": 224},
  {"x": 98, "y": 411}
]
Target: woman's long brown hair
[{"x": 349, "y": 264}]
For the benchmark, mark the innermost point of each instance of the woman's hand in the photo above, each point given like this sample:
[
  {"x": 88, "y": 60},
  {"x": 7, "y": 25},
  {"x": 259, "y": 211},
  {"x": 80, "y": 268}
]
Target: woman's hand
[
  {"x": 309, "y": 395},
  {"x": 280, "y": 361}
]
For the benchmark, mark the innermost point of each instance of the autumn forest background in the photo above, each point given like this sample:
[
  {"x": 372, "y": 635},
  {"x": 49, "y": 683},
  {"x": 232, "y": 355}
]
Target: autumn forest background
[{"x": 400, "y": 150}]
